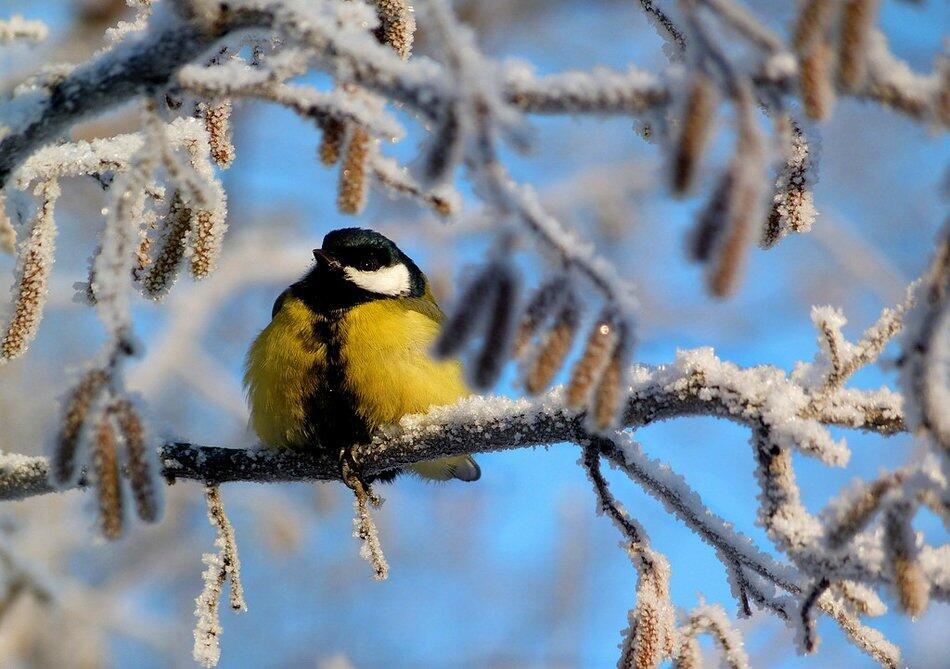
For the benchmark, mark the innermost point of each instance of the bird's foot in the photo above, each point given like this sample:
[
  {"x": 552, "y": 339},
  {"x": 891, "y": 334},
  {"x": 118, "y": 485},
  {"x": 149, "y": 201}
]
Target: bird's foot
[{"x": 349, "y": 472}]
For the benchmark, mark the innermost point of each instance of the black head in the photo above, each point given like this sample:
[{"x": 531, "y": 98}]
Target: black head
[{"x": 356, "y": 265}]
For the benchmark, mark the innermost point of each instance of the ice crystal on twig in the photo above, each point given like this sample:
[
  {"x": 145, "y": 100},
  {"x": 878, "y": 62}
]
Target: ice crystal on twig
[
  {"x": 710, "y": 619},
  {"x": 223, "y": 566},
  {"x": 793, "y": 207}
]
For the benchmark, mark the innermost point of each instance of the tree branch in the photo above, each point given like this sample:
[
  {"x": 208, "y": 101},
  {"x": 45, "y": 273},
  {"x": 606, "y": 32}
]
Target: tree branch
[
  {"x": 150, "y": 61},
  {"x": 141, "y": 64},
  {"x": 696, "y": 384}
]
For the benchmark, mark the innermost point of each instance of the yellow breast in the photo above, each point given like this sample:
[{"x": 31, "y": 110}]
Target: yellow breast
[
  {"x": 283, "y": 365},
  {"x": 388, "y": 366}
]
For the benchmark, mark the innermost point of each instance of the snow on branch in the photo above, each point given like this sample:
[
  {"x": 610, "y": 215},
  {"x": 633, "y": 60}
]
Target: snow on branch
[
  {"x": 697, "y": 383},
  {"x": 17, "y": 28}
]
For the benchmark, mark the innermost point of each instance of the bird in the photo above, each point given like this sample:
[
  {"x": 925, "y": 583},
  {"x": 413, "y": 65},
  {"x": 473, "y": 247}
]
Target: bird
[{"x": 347, "y": 351}]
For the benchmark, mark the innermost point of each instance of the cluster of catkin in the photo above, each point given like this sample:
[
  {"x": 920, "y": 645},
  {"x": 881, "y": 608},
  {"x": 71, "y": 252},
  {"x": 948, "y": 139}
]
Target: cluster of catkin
[
  {"x": 831, "y": 40},
  {"x": 735, "y": 213},
  {"x": 725, "y": 226},
  {"x": 541, "y": 335},
  {"x": 653, "y": 636},
  {"x": 350, "y": 144},
  {"x": 188, "y": 219},
  {"x": 102, "y": 440}
]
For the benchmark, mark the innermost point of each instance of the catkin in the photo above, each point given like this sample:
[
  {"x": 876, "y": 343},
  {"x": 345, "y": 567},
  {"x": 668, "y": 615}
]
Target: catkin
[
  {"x": 600, "y": 345},
  {"x": 608, "y": 394},
  {"x": 689, "y": 655},
  {"x": 443, "y": 152},
  {"x": 699, "y": 116},
  {"x": 853, "y": 518},
  {"x": 468, "y": 312},
  {"x": 105, "y": 469},
  {"x": 331, "y": 143},
  {"x": 812, "y": 24},
  {"x": 651, "y": 636},
  {"x": 139, "y": 463},
  {"x": 816, "y": 56},
  {"x": 206, "y": 242},
  {"x": 76, "y": 409},
  {"x": 354, "y": 177},
  {"x": 34, "y": 265},
  {"x": 727, "y": 266},
  {"x": 544, "y": 301},
  {"x": 857, "y": 21},
  {"x": 498, "y": 329},
  {"x": 217, "y": 118},
  {"x": 913, "y": 589},
  {"x": 815, "y": 80},
  {"x": 744, "y": 200},
  {"x": 556, "y": 346},
  {"x": 711, "y": 221},
  {"x": 397, "y": 25},
  {"x": 163, "y": 270}
]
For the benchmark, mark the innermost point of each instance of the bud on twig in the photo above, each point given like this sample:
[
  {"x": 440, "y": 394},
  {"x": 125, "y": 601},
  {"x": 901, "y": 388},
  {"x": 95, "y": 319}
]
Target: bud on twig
[
  {"x": 793, "y": 207},
  {"x": 609, "y": 393}
]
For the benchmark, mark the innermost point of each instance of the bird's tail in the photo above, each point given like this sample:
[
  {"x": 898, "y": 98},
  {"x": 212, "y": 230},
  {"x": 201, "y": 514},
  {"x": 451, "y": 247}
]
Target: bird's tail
[{"x": 461, "y": 467}]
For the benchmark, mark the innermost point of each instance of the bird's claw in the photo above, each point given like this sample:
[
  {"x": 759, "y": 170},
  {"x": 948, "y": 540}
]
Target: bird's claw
[{"x": 349, "y": 472}]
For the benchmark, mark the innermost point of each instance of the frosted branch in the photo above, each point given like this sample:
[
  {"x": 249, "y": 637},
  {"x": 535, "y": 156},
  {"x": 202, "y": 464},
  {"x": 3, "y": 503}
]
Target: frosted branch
[{"x": 222, "y": 567}]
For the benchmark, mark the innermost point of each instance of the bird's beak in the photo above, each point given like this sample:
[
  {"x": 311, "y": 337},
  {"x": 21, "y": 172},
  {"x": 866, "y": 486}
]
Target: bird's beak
[{"x": 324, "y": 259}]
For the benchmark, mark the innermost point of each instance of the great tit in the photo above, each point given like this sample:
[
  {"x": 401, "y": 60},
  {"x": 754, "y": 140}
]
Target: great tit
[{"x": 347, "y": 351}]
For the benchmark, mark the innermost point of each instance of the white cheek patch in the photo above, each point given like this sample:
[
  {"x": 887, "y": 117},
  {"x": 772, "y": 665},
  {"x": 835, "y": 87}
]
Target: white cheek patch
[{"x": 392, "y": 281}]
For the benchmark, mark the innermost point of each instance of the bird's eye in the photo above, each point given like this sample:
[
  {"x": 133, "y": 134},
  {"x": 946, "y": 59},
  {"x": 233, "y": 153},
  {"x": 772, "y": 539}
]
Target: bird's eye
[{"x": 367, "y": 264}]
